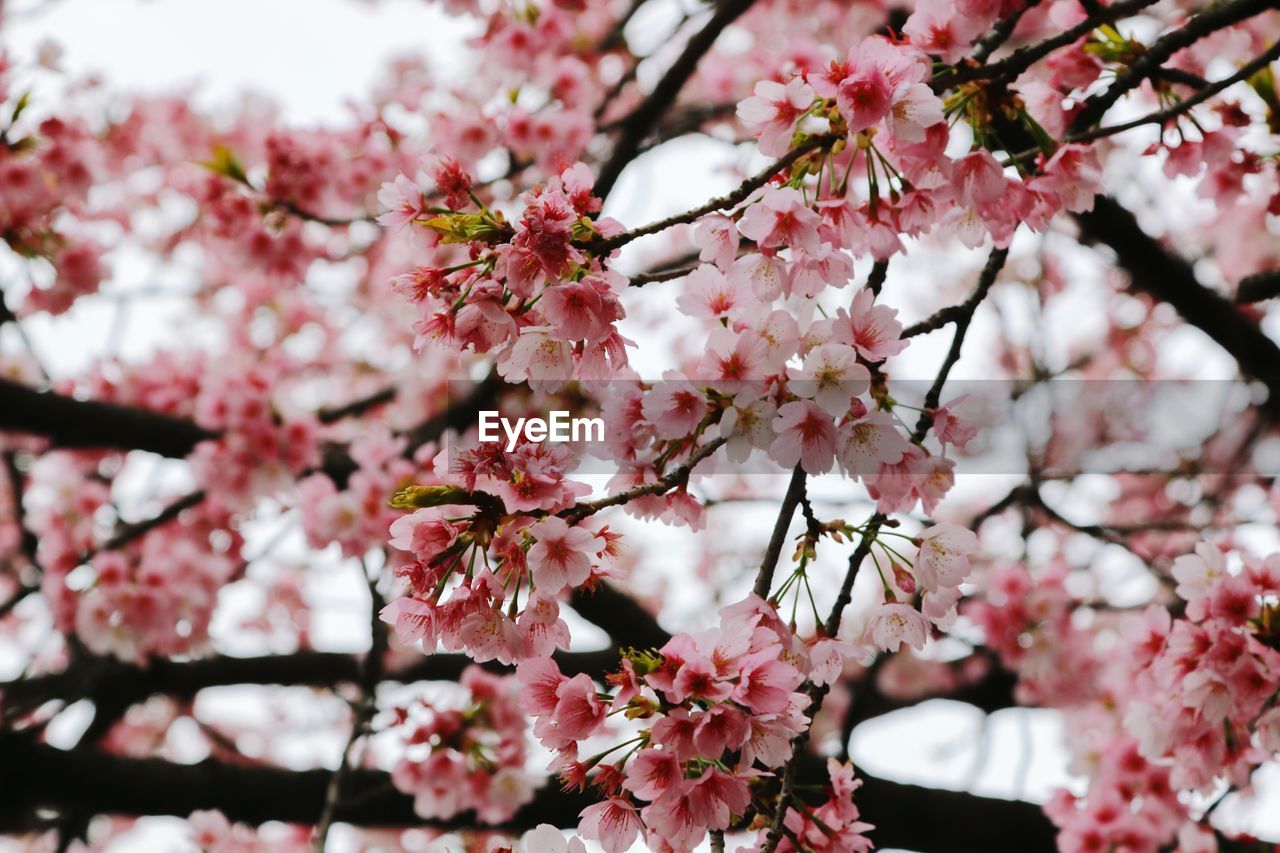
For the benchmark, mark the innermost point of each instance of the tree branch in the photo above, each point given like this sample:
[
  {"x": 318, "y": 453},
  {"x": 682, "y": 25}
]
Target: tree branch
[
  {"x": 636, "y": 126},
  {"x": 963, "y": 317},
  {"x": 96, "y": 783},
  {"x": 1214, "y": 18},
  {"x": 71, "y": 423},
  {"x": 1170, "y": 278},
  {"x": 724, "y": 202},
  {"x": 795, "y": 491},
  {"x": 1023, "y": 58}
]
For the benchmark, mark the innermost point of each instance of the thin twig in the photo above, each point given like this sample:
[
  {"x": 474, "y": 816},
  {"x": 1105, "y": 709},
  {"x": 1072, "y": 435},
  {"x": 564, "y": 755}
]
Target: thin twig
[
  {"x": 795, "y": 491},
  {"x": 995, "y": 262},
  {"x": 637, "y": 125},
  {"x": 670, "y": 480},
  {"x": 1213, "y": 19},
  {"x": 724, "y": 202}
]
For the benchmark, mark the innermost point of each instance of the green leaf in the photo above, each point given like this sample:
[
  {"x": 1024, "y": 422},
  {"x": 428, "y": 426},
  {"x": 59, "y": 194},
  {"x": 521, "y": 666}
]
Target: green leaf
[
  {"x": 24, "y": 101},
  {"x": 226, "y": 163}
]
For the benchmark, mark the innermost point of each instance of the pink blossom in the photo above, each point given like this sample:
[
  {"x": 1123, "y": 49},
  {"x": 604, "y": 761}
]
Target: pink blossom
[
  {"x": 747, "y": 424},
  {"x": 772, "y": 113},
  {"x": 764, "y": 274},
  {"x": 915, "y": 109},
  {"x": 539, "y": 354},
  {"x": 935, "y": 28},
  {"x": 412, "y": 619},
  {"x": 653, "y": 772},
  {"x": 869, "y": 442},
  {"x": 715, "y": 796},
  {"x": 943, "y": 556},
  {"x": 806, "y": 435},
  {"x": 403, "y": 200},
  {"x": 542, "y": 680},
  {"x": 717, "y": 240},
  {"x": 578, "y": 713},
  {"x": 864, "y": 96},
  {"x": 615, "y": 823},
  {"x": 873, "y": 330},
  {"x": 708, "y": 294},
  {"x": 781, "y": 219},
  {"x": 1072, "y": 176},
  {"x": 697, "y": 678},
  {"x": 545, "y": 838},
  {"x": 894, "y": 624},
  {"x": 562, "y": 555},
  {"x": 733, "y": 361},
  {"x": 830, "y": 376},
  {"x": 765, "y": 682},
  {"x": 674, "y": 407},
  {"x": 578, "y": 311}
]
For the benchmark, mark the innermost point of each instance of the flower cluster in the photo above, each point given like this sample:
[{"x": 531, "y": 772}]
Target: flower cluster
[
  {"x": 46, "y": 175},
  {"x": 356, "y": 516},
  {"x": 256, "y": 453},
  {"x": 716, "y": 708},
  {"x": 466, "y": 758},
  {"x": 834, "y": 826},
  {"x": 526, "y": 293},
  {"x": 1208, "y": 683},
  {"x": 879, "y": 98},
  {"x": 917, "y": 591},
  {"x": 467, "y": 576}
]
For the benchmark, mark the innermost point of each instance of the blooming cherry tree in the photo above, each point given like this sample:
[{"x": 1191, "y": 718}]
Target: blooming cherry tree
[{"x": 668, "y": 637}]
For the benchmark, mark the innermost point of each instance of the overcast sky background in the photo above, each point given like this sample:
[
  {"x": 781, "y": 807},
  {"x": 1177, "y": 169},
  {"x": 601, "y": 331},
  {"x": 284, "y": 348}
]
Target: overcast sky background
[{"x": 311, "y": 57}]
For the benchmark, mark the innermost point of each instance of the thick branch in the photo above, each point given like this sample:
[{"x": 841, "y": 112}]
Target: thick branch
[
  {"x": 1170, "y": 278},
  {"x": 110, "y": 680},
  {"x": 95, "y": 783},
  {"x": 1259, "y": 286},
  {"x": 68, "y": 422}
]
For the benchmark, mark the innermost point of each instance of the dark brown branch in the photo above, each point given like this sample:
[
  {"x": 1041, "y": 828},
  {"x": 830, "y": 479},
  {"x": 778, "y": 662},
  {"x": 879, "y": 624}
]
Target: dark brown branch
[
  {"x": 1259, "y": 287},
  {"x": 795, "y": 491},
  {"x": 675, "y": 477},
  {"x": 952, "y": 313},
  {"x": 992, "y": 692},
  {"x": 183, "y": 679},
  {"x": 815, "y": 693},
  {"x": 641, "y": 279},
  {"x": 129, "y": 532},
  {"x": 1000, "y": 33},
  {"x": 28, "y": 542},
  {"x": 620, "y": 616},
  {"x": 879, "y": 272},
  {"x": 724, "y": 202},
  {"x": 71, "y": 423},
  {"x": 1162, "y": 117},
  {"x": 94, "y": 783},
  {"x": 637, "y": 125},
  {"x": 1215, "y": 18},
  {"x": 1168, "y": 277},
  {"x": 357, "y": 407},
  {"x": 963, "y": 317},
  {"x": 1020, "y": 60}
]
